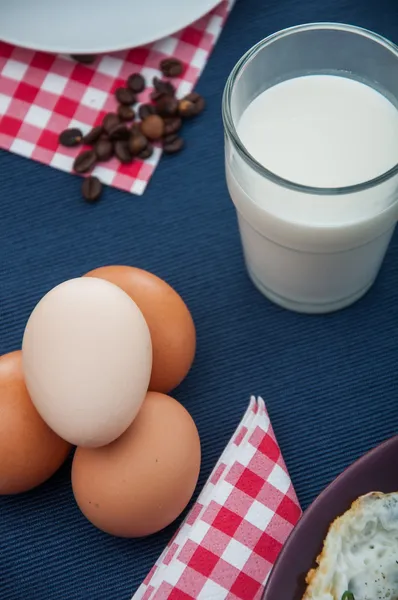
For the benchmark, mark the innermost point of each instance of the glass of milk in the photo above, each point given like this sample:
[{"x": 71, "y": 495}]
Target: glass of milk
[{"x": 311, "y": 151}]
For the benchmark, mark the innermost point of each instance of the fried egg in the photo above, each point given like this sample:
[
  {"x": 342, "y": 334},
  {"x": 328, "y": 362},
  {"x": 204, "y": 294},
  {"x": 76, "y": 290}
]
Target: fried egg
[{"x": 360, "y": 553}]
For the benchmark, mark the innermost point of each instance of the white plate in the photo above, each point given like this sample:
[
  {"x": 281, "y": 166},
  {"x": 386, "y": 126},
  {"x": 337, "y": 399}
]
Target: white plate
[{"x": 95, "y": 26}]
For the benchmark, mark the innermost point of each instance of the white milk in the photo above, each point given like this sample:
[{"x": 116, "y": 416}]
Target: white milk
[{"x": 316, "y": 252}]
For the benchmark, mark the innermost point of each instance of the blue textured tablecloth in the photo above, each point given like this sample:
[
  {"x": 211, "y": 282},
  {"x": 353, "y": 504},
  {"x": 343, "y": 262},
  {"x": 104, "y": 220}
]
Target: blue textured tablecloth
[{"x": 330, "y": 382}]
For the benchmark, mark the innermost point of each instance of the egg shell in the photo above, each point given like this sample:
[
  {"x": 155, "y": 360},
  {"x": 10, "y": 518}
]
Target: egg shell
[
  {"x": 141, "y": 482},
  {"x": 169, "y": 320},
  {"x": 30, "y": 452},
  {"x": 87, "y": 360}
]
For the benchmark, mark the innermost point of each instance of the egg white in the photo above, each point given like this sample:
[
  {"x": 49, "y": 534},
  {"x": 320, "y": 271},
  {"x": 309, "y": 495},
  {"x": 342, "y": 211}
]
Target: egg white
[{"x": 360, "y": 553}]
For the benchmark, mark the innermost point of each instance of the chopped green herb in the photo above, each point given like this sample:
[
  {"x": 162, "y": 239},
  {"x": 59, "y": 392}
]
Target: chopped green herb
[{"x": 347, "y": 596}]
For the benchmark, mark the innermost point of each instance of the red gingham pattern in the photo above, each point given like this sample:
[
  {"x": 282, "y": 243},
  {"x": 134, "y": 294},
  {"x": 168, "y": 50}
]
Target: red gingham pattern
[
  {"x": 43, "y": 94},
  {"x": 226, "y": 546}
]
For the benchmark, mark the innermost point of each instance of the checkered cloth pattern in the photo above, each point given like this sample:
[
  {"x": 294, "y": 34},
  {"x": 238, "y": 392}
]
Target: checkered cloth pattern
[
  {"x": 42, "y": 94},
  {"x": 228, "y": 543}
]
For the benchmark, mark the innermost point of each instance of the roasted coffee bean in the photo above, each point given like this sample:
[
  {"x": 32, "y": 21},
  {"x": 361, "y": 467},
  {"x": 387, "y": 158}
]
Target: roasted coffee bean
[
  {"x": 91, "y": 189},
  {"x": 167, "y": 106},
  {"x": 70, "y": 137},
  {"x": 125, "y": 96},
  {"x": 153, "y": 127},
  {"x": 119, "y": 132},
  {"x": 93, "y": 135},
  {"x": 137, "y": 143},
  {"x": 155, "y": 95},
  {"x": 85, "y": 161},
  {"x": 146, "y": 152},
  {"x": 84, "y": 59},
  {"x": 163, "y": 87},
  {"x": 145, "y": 110},
  {"x": 135, "y": 129},
  {"x": 172, "y": 125},
  {"x": 122, "y": 152},
  {"x": 125, "y": 113},
  {"x": 104, "y": 150},
  {"x": 110, "y": 121},
  {"x": 192, "y": 105},
  {"x": 136, "y": 83},
  {"x": 171, "y": 67},
  {"x": 172, "y": 144}
]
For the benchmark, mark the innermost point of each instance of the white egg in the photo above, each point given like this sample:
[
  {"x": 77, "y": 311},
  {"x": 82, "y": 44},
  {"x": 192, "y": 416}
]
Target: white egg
[
  {"x": 360, "y": 553},
  {"x": 87, "y": 359}
]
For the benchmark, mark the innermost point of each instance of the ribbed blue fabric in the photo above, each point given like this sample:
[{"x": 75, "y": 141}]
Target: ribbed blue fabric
[{"x": 330, "y": 382}]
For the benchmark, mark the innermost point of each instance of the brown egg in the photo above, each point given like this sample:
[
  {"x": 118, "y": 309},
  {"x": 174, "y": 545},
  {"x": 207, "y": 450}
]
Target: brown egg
[
  {"x": 30, "y": 452},
  {"x": 141, "y": 482},
  {"x": 169, "y": 320}
]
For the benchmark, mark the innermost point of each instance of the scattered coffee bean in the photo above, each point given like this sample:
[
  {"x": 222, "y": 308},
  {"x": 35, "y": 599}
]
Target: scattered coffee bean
[
  {"x": 122, "y": 152},
  {"x": 104, "y": 150},
  {"x": 145, "y": 110},
  {"x": 136, "y": 83},
  {"x": 167, "y": 106},
  {"x": 84, "y": 59},
  {"x": 135, "y": 129},
  {"x": 93, "y": 135},
  {"x": 85, "y": 161},
  {"x": 172, "y": 125},
  {"x": 119, "y": 132},
  {"x": 192, "y": 105},
  {"x": 186, "y": 108},
  {"x": 172, "y": 144},
  {"x": 71, "y": 137},
  {"x": 115, "y": 136},
  {"x": 153, "y": 127},
  {"x": 125, "y": 113},
  {"x": 109, "y": 122},
  {"x": 137, "y": 143},
  {"x": 171, "y": 67},
  {"x": 146, "y": 152},
  {"x": 125, "y": 96},
  {"x": 163, "y": 87},
  {"x": 91, "y": 189}
]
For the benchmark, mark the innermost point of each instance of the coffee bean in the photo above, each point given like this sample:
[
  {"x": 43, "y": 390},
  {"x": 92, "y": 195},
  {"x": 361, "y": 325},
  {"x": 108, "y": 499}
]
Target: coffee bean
[
  {"x": 153, "y": 127},
  {"x": 171, "y": 67},
  {"x": 137, "y": 143},
  {"x": 135, "y": 129},
  {"x": 84, "y": 59},
  {"x": 172, "y": 125},
  {"x": 155, "y": 95},
  {"x": 125, "y": 113},
  {"x": 93, "y": 135},
  {"x": 136, "y": 83},
  {"x": 167, "y": 106},
  {"x": 70, "y": 137},
  {"x": 145, "y": 110},
  {"x": 122, "y": 152},
  {"x": 172, "y": 144},
  {"x": 125, "y": 96},
  {"x": 192, "y": 105},
  {"x": 163, "y": 87},
  {"x": 85, "y": 161},
  {"x": 91, "y": 189},
  {"x": 109, "y": 122},
  {"x": 119, "y": 132},
  {"x": 104, "y": 150},
  {"x": 146, "y": 152}
]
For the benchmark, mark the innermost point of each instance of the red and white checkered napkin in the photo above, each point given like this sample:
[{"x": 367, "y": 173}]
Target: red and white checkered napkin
[
  {"x": 225, "y": 548},
  {"x": 42, "y": 94}
]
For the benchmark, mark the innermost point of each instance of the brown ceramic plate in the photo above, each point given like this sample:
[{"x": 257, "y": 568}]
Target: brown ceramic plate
[{"x": 375, "y": 471}]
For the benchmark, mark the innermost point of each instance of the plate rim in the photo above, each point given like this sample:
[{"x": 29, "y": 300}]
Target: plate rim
[
  {"x": 307, "y": 514},
  {"x": 144, "y": 41}
]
